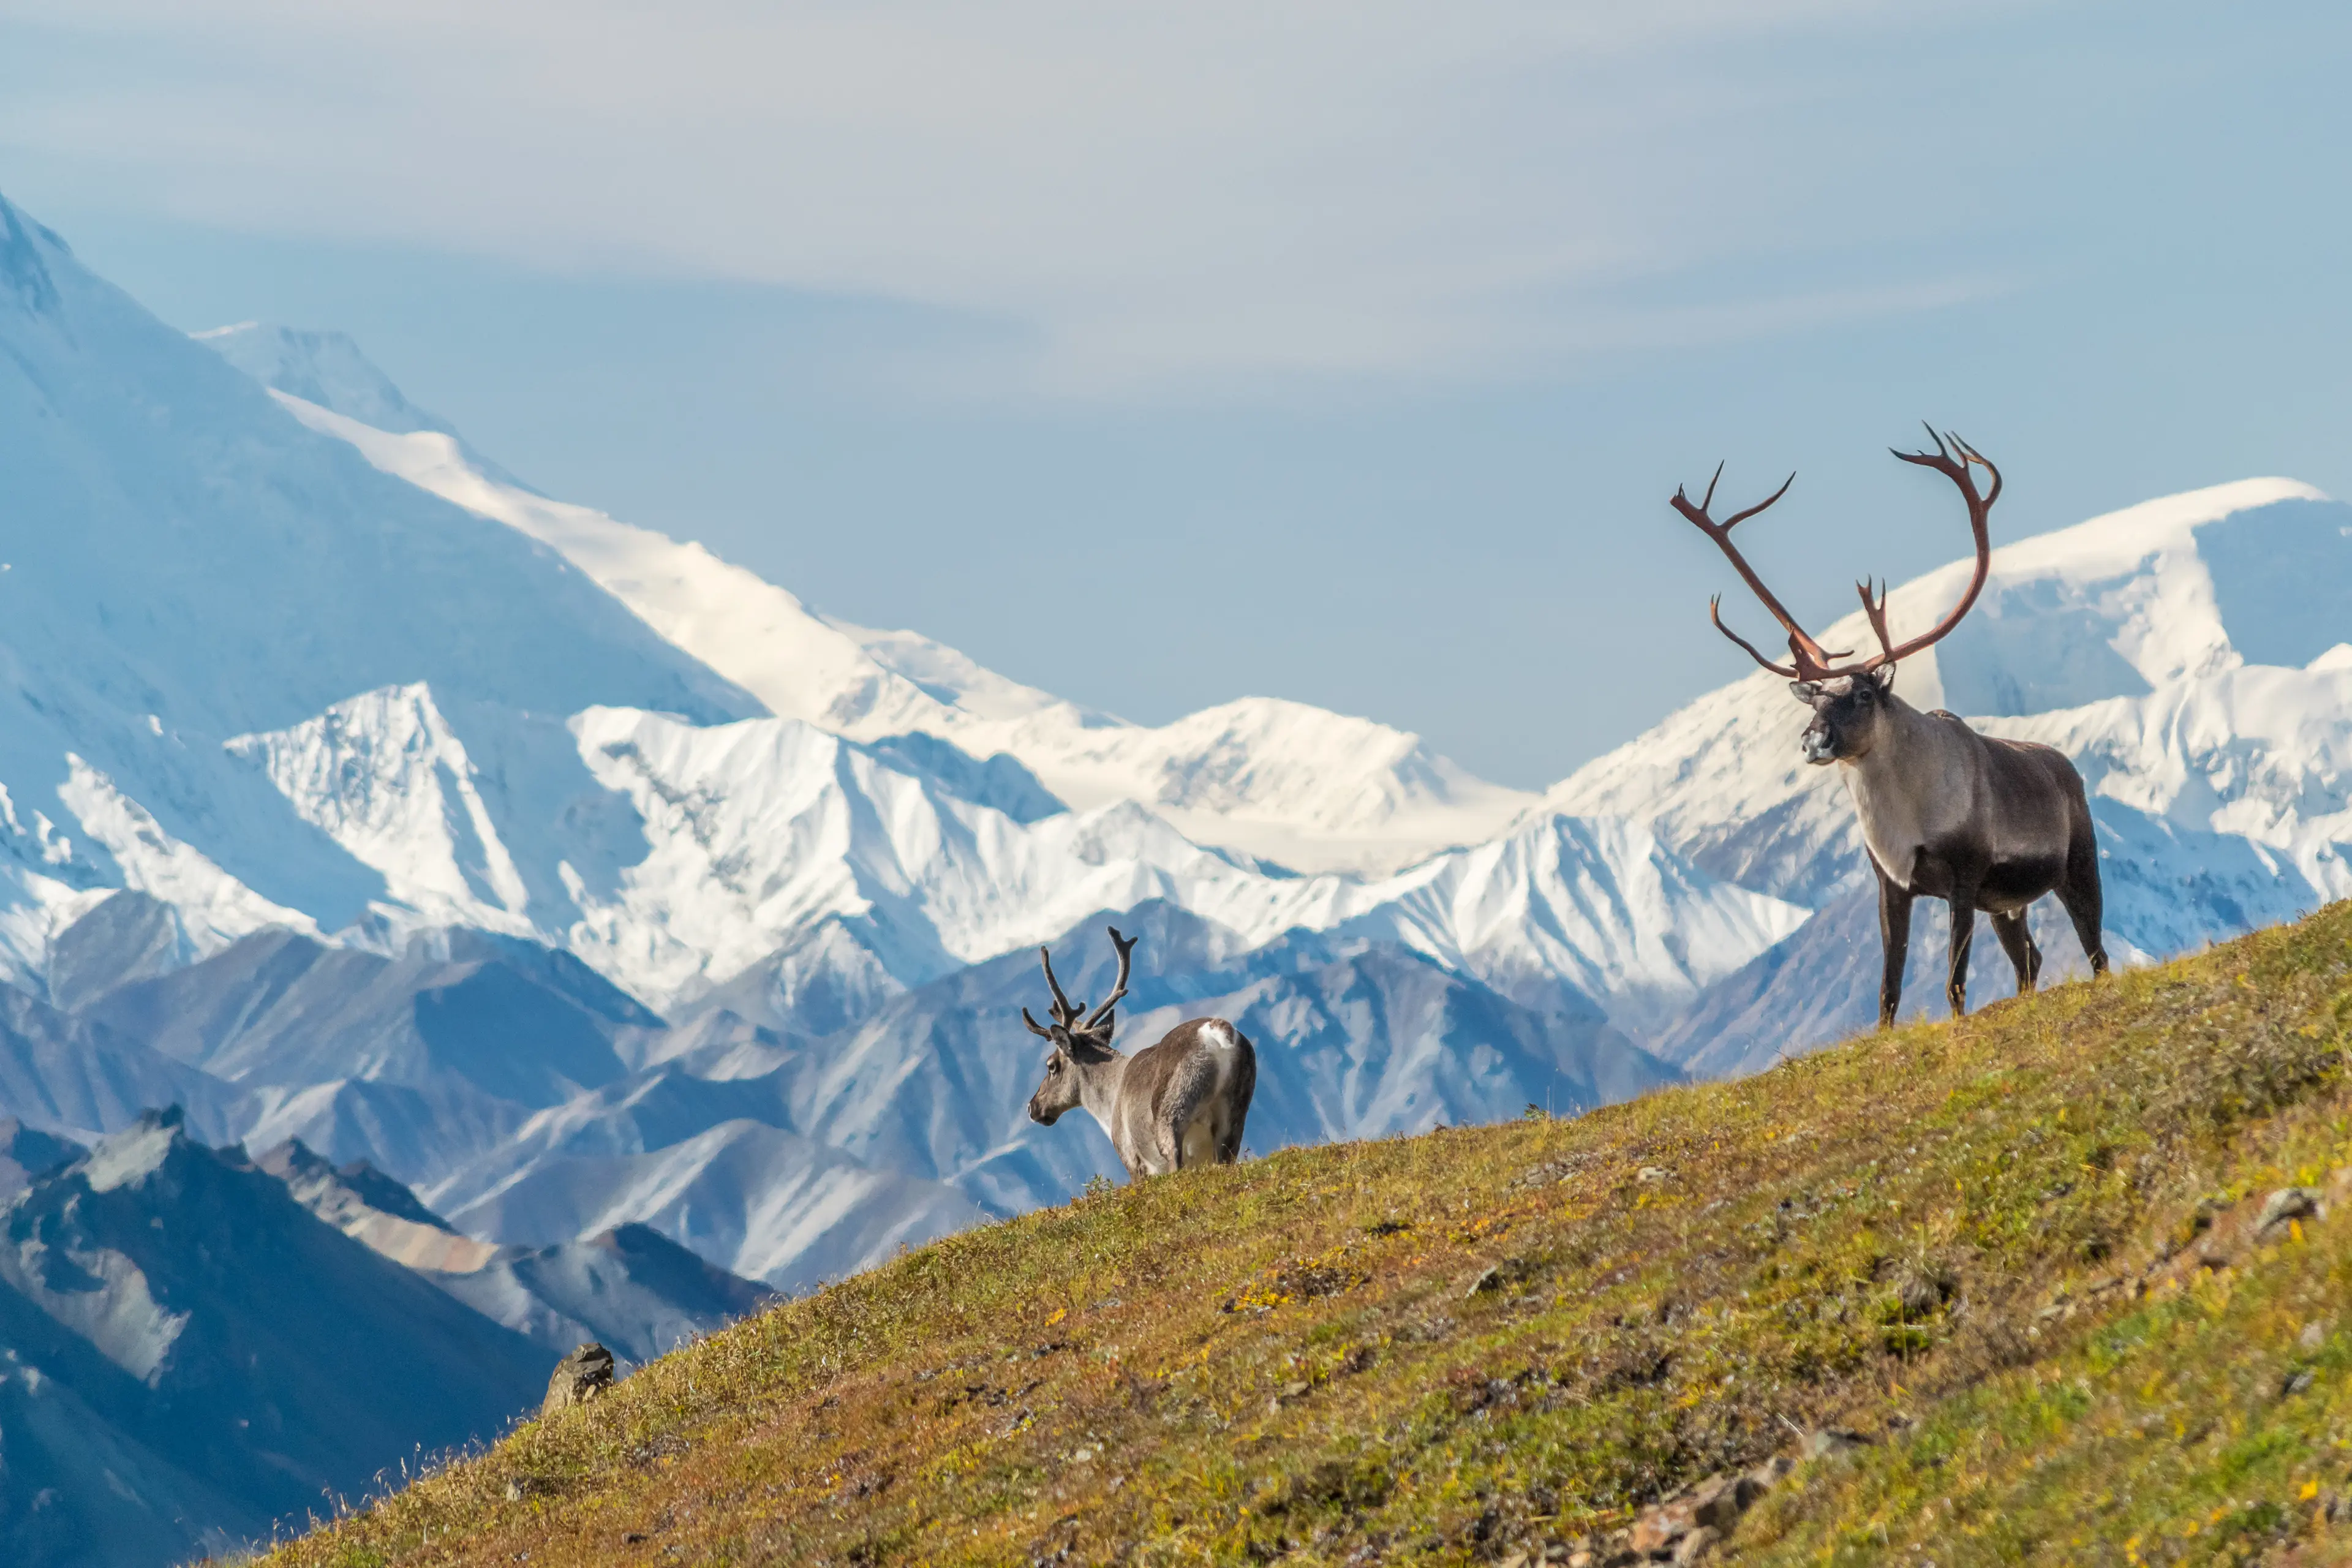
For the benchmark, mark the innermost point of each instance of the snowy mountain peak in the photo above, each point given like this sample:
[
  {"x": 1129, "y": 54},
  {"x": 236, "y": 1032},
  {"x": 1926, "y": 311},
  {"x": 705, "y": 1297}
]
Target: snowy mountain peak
[
  {"x": 1282, "y": 781},
  {"x": 2123, "y": 603},
  {"x": 322, "y": 368}
]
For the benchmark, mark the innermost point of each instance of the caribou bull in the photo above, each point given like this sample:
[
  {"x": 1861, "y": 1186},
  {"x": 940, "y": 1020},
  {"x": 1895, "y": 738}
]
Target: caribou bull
[
  {"x": 1981, "y": 823},
  {"x": 1179, "y": 1104}
]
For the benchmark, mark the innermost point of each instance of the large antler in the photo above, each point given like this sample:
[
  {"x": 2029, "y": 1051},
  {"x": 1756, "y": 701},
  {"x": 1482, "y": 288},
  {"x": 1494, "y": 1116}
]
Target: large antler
[
  {"x": 1980, "y": 519},
  {"x": 1811, "y": 660},
  {"x": 1098, "y": 1025}
]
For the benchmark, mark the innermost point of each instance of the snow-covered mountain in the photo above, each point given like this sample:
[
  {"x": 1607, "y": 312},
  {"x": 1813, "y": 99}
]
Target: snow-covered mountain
[
  {"x": 186, "y": 563},
  {"x": 1289, "y": 783},
  {"x": 773, "y": 818}
]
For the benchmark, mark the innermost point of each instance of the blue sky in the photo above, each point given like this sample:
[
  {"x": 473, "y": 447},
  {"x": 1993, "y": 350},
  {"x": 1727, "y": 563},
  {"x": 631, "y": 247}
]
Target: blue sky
[{"x": 1162, "y": 354}]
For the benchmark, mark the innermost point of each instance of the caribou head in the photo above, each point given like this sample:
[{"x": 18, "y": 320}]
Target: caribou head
[
  {"x": 1848, "y": 714},
  {"x": 1081, "y": 1040},
  {"x": 1849, "y": 700}
]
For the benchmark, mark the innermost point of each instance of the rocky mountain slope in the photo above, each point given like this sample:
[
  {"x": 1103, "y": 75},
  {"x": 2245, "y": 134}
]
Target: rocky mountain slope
[
  {"x": 632, "y": 1289},
  {"x": 190, "y": 1355}
]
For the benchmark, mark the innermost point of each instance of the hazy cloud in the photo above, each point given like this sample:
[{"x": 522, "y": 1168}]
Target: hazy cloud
[{"x": 1219, "y": 189}]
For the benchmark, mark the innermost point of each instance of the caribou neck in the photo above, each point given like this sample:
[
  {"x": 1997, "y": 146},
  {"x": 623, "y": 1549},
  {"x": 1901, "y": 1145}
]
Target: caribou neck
[
  {"x": 1098, "y": 1086},
  {"x": 1905, "y": 730},
  {"x": 1910, "y": 787}
]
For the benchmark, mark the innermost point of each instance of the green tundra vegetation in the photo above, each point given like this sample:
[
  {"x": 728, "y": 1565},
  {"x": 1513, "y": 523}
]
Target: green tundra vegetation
[{"x": 2021, "y": 1257}]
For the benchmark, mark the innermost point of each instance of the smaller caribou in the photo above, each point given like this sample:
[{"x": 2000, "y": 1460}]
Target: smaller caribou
[{"x": 1181, "y": 1102}]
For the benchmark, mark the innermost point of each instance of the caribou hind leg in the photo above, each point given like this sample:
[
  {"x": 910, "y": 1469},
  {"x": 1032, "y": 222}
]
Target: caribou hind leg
[
  {"x": 2084, "y": 898},
  {"x": 1964, "y": 937},
  {"x": 2017, "y": 940},
  {"x": 1895, "y": 935}
]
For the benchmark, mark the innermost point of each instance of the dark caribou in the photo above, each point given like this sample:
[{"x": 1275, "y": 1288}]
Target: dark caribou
[{"x": 1980, "y": 822}]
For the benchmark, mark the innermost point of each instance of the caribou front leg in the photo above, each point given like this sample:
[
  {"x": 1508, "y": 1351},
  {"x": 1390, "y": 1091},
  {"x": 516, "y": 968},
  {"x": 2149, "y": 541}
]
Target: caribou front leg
[{"x": 1895, "y": 935}]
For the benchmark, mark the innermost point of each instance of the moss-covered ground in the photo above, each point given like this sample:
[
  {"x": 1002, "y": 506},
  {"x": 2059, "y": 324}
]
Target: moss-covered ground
[{"x": 1981, "y": 1244}]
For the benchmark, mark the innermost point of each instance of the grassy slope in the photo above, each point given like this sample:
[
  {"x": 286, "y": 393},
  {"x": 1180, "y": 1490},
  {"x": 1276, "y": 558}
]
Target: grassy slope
[{"x": 1287, "y": 1356}]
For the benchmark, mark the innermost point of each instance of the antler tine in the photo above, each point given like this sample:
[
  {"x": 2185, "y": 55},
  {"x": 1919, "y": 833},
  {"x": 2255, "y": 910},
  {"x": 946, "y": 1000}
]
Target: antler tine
[
  {"x": 1973, "y": 456},
  {"x": 1737, "y": 518},
  {"x": 1875, "y": 609},
  {"x": 1034, "y": 1026},
  {"x": 1715, "y": 614},
  {"x": 1941, "y": 458},
  {"x": 1126, "y": 946},
  {"x": 1712, "y": 480},
  {"x": 1063, "y": 1013}
]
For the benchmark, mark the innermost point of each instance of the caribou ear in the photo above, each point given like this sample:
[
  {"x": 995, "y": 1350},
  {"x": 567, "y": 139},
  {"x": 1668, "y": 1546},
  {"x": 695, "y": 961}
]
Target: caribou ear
[
  {"x": 1885, "y": 674},
  {"x": 1804, "y": 691}
]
